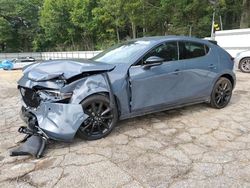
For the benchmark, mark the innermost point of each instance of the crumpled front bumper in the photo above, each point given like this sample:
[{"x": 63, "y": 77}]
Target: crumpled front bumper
[
  {"x": 57, "y": 120},
  {"x": 50, "y": 118}
]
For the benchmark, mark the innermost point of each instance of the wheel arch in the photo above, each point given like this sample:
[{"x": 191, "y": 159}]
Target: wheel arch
[
  {"x": 106, "y": 93},
  {"x": 229, "y": 77},
  {"x": 108, "y": 126}
]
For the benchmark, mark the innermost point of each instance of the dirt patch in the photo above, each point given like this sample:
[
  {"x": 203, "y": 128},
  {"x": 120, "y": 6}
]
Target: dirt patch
[{"x": 10, "y": 76}]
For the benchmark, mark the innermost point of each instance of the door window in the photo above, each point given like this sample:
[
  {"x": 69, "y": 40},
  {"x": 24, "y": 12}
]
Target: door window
[
  {"x": 190, "y": 50},
  {"x": 167, "y": 51}
]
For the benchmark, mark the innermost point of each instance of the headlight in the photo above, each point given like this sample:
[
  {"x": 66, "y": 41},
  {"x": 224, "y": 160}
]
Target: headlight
[
  {"x": 53, "y": 95},
  {"x": 61, "y": 82}
]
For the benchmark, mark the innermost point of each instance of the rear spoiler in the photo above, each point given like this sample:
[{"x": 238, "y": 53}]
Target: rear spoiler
[{"x": 213, "y": 41}]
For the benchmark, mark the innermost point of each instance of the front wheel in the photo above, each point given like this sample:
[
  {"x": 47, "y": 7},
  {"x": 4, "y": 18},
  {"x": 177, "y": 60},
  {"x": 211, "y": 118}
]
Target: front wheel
[
  {"x": 221, "y": 93},
  {"x": 245, "y": 65},
  {"x": 102, "y": 117}
]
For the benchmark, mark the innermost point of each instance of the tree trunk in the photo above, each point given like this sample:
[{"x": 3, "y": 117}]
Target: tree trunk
[
  {"x": 2, "y": 47},
  {"x": 133, "y": 29},
  {"x": 144, "y": 31},
  {"x": 73, "y": 44},
  {"x": 144, "y": 27},
  {"x": 245, "y": 16},
  {"x": 117, "y": 34}
]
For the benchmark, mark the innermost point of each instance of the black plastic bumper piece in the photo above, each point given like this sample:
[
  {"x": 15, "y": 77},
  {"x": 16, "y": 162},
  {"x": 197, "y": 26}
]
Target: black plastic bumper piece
[
  {"x": 35, "y": 139},
  {"x": 34, "y": 145}
]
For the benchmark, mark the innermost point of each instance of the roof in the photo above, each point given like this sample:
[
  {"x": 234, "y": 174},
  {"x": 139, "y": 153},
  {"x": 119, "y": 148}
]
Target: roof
[{"x": 170, "y": 37}]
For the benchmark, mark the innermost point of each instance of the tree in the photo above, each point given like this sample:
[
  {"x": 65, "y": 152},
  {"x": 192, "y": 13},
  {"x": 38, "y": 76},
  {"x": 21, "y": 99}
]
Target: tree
[
  {"x": 82, "y": 20},
  {"x": 56, "y": 22},
  {"x": 182, "y": 15},
  {"x": 43, "y": 25},
  {"x": 231, "y": 13},
  {"x": 5, "y": 34},
  {"x": 110, "y": 14},
  {"x": 133, "y": 10},
  {"x": 245, "y": 16},
  {"x": 19, "y": 23}
]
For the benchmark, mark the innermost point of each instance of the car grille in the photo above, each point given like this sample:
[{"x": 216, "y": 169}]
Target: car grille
[{"x": 30, "y": 97}]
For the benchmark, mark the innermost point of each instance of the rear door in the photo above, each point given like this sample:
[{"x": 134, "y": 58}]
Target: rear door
[{"x": 200, "y": 66}]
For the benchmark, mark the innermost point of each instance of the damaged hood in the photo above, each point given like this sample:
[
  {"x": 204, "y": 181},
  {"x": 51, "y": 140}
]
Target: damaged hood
[{"x": 66, "y": 69}]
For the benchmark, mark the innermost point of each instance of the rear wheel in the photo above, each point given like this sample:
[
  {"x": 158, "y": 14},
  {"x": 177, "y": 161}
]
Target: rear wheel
[
  {"x": 221, "y": 93},
  {"x": 102, "y": 117},
  {"x": 245, "y": 65}
]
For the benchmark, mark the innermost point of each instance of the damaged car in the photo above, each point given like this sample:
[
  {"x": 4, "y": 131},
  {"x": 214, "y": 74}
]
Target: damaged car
[{"x": 88, "y": 97}]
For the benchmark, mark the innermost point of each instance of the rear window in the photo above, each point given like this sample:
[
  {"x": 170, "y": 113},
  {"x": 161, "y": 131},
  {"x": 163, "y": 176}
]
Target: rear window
[{"x": 190, "y": 50}]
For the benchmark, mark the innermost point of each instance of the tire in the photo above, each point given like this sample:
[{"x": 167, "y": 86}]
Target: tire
[
  {"x": 244, "y": 65},
  {"x": 102, "y": 118},
  {"x": 222, "y": 93}
]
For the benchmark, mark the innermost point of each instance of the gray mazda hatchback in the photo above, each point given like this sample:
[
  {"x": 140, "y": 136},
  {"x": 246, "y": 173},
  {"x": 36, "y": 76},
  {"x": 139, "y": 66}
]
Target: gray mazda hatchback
[{"x": 141, "y": 76}]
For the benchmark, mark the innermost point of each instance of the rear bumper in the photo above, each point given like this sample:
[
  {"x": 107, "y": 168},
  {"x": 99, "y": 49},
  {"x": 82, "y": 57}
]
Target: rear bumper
[{"x": 58, "y": 121}]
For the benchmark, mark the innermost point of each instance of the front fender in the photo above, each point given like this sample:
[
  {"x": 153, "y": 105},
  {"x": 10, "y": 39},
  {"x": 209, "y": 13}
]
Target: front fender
[{"x": 89, "y": 86}]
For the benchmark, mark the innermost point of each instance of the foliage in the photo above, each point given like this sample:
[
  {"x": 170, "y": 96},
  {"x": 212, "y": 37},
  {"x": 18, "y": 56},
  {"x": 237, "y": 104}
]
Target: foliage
[
  {"x": 44, "y": 25},
  {"x": 18, "y": 23}
]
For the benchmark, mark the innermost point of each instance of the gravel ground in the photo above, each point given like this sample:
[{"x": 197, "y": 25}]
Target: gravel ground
[{"x": 195, "y": 146}]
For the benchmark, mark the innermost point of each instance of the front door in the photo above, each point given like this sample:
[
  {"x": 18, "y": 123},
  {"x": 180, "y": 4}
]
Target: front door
[{"x": 159, "y": 85}]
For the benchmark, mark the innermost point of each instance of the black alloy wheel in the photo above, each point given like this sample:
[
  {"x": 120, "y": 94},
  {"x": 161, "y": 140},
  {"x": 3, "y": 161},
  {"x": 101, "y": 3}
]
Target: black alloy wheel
[
  {"x": 221, "y": 93},
  {"x": 244, "y": 65},
  {"x": 102, "y": 117}
]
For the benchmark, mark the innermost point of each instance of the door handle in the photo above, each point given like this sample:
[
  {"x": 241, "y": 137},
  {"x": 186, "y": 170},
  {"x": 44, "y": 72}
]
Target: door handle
[{"x": 212, "y": 66}]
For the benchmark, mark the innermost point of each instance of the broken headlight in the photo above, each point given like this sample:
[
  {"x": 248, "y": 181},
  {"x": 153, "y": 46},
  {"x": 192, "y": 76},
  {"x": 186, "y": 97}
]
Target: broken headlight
[{"x": 54, "y": 95}]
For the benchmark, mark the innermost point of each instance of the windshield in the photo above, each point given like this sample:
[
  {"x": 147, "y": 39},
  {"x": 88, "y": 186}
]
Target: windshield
[{"x": 123, "y": 53}]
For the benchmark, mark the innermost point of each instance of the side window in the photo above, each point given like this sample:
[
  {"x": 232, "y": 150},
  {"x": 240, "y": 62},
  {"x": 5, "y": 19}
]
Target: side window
[
  {"x": 168, "y": 51},
  {"x": 190, "y": 50}
]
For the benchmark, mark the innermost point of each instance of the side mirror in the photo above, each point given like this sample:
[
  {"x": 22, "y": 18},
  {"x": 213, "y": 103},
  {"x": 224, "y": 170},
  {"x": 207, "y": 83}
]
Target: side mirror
[{"x": 153, "y": 61}]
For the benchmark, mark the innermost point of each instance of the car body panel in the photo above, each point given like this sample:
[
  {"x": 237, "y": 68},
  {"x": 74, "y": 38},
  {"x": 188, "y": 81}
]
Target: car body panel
[
  {"x": 20, "y": 65},
  {"x": 148, "y": 85},
  {"x": 63, "y": 68},
  {"x": 59, "y": 121},
  {"x": 199, "y": 74},
  {"x": 21, "y": 62},
  {"x": 133, "y": 89},
  {"x": 87, "y": 86}
]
